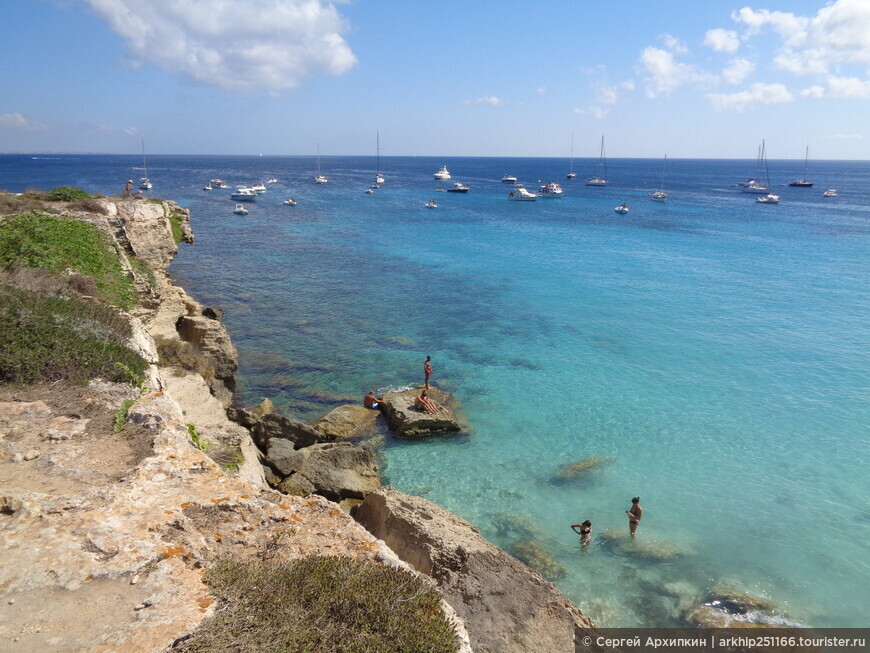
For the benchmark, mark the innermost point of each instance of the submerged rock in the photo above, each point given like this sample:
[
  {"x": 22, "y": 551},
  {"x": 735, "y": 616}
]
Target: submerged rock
[
  {"x": 582, "y": 468},
  {"x": 538, "y": 558},
  {"x": 643, "y": 547}
]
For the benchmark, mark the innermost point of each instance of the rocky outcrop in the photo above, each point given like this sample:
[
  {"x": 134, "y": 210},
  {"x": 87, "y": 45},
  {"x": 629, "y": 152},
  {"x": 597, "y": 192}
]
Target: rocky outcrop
[
  {"x": 335, "y": 470},
  {"x": 405, "y": 420},
  {"x": 147, "y": 227},
  {"x": 347, "y": 422},
  {"x": 506, "y": 606}
]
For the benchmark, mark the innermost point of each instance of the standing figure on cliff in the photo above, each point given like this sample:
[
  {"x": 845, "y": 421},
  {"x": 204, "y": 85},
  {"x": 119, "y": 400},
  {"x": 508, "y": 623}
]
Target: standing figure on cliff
[
  {"x": 584, "y": 530},
  {"x": 128, "y": 187},
  {"x": 427, "y": 370},
  {"x": 634, "y": 515}
]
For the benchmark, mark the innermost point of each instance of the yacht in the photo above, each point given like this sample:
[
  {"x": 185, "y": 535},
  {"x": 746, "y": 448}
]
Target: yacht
[
  {"x": 218, "y": 183},
  {"x": 442, "y": 174},
  {"x": 144, "y": 182},
  {"x": 571, "y": 174},
  {"x": 459, "y": 187},
  {"x": 622, "y": 209},
  {"x": 318, "y": 177},
  {"x": 597, "y": 180},
  {"x": 767, "y": 199},
  {"x": 756, "y": 185},
  {"x": 259, "y": 189},
  {"x": 803, "y": 183},
  {"x": 831, "y": 192},
  {"x": 508, "y": 179},
  {"x": 520, "y": 194},
  {"x": 660, "y": 195},
  {"x": 551, "y": 191},
  {"x": 240, "y": 210},
  {"x": 244, "y": 194}
]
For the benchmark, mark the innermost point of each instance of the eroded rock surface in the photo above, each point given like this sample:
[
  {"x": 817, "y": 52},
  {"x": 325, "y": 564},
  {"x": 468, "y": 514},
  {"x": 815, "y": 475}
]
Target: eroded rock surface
[{"x": 405, "y": 420}]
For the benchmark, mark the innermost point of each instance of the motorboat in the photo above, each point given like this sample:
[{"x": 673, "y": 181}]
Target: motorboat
[
  {"x": 259, "y": 189},
  {"x": 207, "y": 187},
  {"x": 600, "y": 180},
  {"x": 831, "y": 192},
  {"x": 803, "y": 183},
  {"x": 622, "y": 209},
  {"x": 374, "y": 186},
  {"x": 272, "y": 181},
  {"x": 520, "y": 194},
  {"x": 442, "y": 174},
  {"x": 244, "y": 195},
  {"x": 767, "y": 199},
  {"x": 218, "y": 183},
  {"x": 370, "y": 191},
  {"x": 240, "y": 210},
  {"x": 459, "y": 187},
  {"x": 508, "y": 179},
  {"x": 551, "y": 191},
  {"x": 431, "y": 204},
  {"x": 290, "y": 202}
]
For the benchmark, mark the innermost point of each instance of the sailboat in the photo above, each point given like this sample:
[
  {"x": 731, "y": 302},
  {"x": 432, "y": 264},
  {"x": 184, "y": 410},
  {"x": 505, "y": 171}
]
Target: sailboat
[
  {"x": 803, "y": 183},
  {"x": 768, "y": 197},
  {"x": 660, "y": 195},
  {"x": 756, "y": 185},
  {"x": 319, "y": 178},
  {"x": 379, "y": 178},
  {"x": 571, "y": 174},
  {"x": 595, "y": 180},
  {"x": 144, "y": 182}
]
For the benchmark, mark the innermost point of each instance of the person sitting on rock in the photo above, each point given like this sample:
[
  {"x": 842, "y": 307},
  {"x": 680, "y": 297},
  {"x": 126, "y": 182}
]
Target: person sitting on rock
[
  {"x": 425, "y": 404},
  {"x": 373, "y": 402}
]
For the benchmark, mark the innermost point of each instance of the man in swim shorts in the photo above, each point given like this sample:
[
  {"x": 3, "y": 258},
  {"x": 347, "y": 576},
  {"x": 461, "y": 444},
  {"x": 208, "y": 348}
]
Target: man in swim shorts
[
  {"x": 373, "y": 402},
  {"x": 427, "y": 370}
]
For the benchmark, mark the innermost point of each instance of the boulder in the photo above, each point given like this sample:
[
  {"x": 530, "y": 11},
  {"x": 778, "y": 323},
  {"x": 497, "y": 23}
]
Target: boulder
[
  {"x": 538, "y": 558},
  {"x": 283, "y": 457},
  {"x": 582, "y": 468},
  {"x": 346, "y": 422},
  {"x": 275, "y": 426},
  {"x": 506, "y": 606},
  {"x": 405, "y": 420},
  {"x": 210, "y": 337},
  {"x": 335, "y": 470}
]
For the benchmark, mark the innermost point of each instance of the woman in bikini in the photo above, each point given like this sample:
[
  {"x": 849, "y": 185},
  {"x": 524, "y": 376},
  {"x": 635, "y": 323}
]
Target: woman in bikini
[
  {"x": 634, "y": 515},
  {"x": 583, "y": 530}
]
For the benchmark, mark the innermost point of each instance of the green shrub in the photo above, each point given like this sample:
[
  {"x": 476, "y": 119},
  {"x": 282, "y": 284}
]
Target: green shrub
[
  {"x": 36, "y": 240},
  {"x": 45, "y": 338},
  {"x": 178, "y": 353},
  {"x": 121, "y": 415},
  {"x": 67, "y": 194},
  {"x": 175, "y": 224},
  {"x": 196, "y": 438},
  {"x": 321, "y": 605}
]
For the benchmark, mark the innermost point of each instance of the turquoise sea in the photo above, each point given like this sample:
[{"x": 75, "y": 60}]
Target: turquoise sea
[{"x": 718, "y": 350}]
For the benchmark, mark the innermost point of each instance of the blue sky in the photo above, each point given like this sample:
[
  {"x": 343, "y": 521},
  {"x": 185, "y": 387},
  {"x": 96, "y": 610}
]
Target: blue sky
[{"x": 684, "y": 77}]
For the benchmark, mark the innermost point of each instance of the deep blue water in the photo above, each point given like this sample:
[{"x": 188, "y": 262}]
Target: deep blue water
[{"x": 715, "y": 348}]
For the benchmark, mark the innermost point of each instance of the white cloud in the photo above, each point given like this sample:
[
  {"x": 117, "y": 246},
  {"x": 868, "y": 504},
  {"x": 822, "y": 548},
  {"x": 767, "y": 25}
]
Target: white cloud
[
  {"x": 596, "y": 112},
  {"x": 813, "y": 92},
  {"x": 722, "y": 40},
  {"x": 606, "y": 96},
  {"x": 848, "y": 87},
  {"x": 756, "y": 94},
  {"x": 131, "y": 131},
  {"x": 737, "y": 71},
  {"x": 663, "y": 73},
  {"x": 845, "y": 137},
  {"x": 542, "y": 90},
  {"x": 17, "y": 122},
  {"x": 673, "y": 44},
  {"x": 234, "y": 44},
  {"x": 491, "y": 101}
]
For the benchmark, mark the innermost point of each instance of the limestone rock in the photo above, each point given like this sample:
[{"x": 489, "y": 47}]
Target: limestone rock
[
  {"x": 335, "y": 470},
  {"x": 539, "y": 559},
  {"x": 284, "y": 457},
  {"x": 211, "y": 338},
  {"x": 274, "y": 426},
  {"x": 347, "y": 422},
  {"x": 506, "y": 606},
  {"x": 582, "y": 468},
  {"x": 405, "y": 420},
  {"x": 146, "y": 226}
]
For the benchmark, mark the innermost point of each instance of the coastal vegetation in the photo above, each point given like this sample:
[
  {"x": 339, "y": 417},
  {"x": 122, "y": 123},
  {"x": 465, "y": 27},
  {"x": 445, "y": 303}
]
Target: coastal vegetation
[
  {"x": 67, "y": 194},
  {"x": 322, "y": 605}
]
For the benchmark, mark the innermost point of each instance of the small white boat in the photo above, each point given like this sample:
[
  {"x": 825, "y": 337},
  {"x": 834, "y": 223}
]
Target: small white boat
[
  {"x": 244, "y": 195},
  {"x": 442, "y": 174},
  {"x": 431, "y": 204},
  {"x": 831, "y": 192},
  {"x": 659, "y": 196},
  {"x": 240, "y": 210},
  {"x": 374, "y": 186},
  {"x": 290, "y": 202},
  {"x": 622, "y": 209},
  {"x": 571, "y": 174},
  {"x": 218, "y": 183},
  {"x": 551, "y": 191},
  {"x": 369, "y": 191},
  {"x": 459, "y": 187},
  {"x": 259, "y": 188},
  {"x": 508, "y": 179},
  {"x": 272, "y": 181},
  {"x": 520, "y": 194},
  {"x": 320, "y": 179},
  {"x": 767, "y": 199},
  {"x": 207, "y": 187}
]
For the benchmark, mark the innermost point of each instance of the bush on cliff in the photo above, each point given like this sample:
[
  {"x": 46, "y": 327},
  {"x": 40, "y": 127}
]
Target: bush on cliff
[
  {"x": 321, "y": 605},
  {"x": 67, "y": 194},
  {"x": 45, "y": 338},
  {"x": 36, "y": 240}
]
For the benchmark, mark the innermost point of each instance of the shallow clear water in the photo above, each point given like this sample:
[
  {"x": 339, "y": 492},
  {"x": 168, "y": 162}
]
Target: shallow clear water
[{"x": 715, "y": 348}]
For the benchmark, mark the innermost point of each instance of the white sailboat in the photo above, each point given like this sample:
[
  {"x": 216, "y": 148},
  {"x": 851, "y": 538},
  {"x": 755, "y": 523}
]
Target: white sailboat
[
  {"x": 660, "y": 195},
  {"x": 756, "y": 185},
  {"x": 571, "y": 174},
  {"x": 144, "y": 182},
  {"x": 597, "y": 180},
  {"x": 803, "y": 183},
  {"x": 319, "y": 178},
  {"x": 379, "y": 178}
]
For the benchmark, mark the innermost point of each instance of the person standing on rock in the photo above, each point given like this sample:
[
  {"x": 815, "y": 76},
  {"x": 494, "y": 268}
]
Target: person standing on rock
[
  {"x": 427, "y": 370},
  {"x": 128, "y": 187},
  {"x": 634, "y": 515},
  {"x": 584, "y": 530}
]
